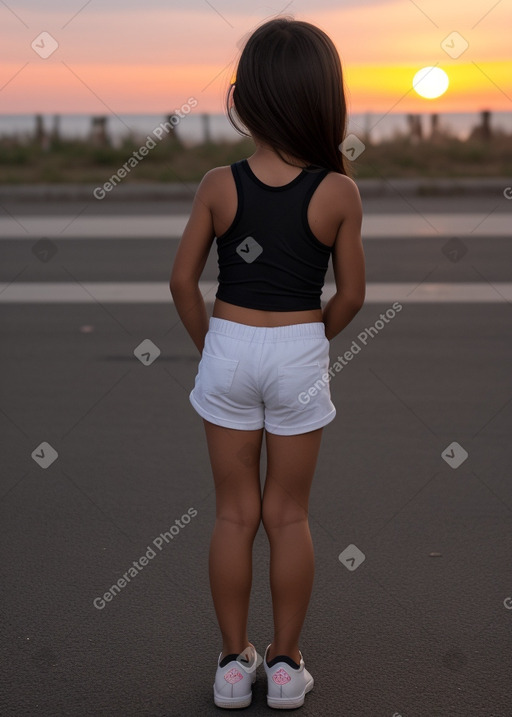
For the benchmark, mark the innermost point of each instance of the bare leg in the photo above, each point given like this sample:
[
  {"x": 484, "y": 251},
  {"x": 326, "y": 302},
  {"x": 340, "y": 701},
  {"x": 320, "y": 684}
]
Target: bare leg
[
  {"x": 235, "y": 461},
  {"x": 291, "y": 462}
]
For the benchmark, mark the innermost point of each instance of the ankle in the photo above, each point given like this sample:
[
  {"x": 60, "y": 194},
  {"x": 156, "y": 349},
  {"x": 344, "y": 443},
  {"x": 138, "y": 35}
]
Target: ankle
[
  {"x": 233, "y": 649},
  {"x": 289, "y": 651}
]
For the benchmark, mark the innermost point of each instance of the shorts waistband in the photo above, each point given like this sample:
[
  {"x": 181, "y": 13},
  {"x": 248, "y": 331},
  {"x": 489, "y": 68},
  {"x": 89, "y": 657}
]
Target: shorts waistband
[{"x": 266, "y": 333}]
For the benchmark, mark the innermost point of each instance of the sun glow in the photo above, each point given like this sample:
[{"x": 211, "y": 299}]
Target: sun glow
[{"x": 430, "y": 82}]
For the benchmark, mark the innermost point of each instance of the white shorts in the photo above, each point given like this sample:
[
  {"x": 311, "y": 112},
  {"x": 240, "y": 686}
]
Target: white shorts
[{"x": 251, "y": 377}]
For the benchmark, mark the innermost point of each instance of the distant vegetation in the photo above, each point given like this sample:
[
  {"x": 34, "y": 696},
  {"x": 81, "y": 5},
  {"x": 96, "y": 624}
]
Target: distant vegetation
[{"x": 79, "y": 161}]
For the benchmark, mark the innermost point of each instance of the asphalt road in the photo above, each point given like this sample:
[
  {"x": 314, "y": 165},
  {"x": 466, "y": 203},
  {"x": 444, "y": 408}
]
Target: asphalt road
[{"x": 421, "y": 627}]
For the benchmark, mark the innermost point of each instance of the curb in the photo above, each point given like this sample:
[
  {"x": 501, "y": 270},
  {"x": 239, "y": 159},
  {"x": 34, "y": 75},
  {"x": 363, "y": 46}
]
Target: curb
[{"x": 185, "y": 191}]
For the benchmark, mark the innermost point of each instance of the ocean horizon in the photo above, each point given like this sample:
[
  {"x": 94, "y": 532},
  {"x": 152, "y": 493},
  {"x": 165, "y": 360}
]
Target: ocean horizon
[{"x": 191, "y": 128}]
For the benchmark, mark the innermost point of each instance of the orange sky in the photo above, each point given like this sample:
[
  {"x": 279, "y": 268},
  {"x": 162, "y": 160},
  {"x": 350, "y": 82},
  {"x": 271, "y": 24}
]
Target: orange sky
[{"x": 150, "y": 58}]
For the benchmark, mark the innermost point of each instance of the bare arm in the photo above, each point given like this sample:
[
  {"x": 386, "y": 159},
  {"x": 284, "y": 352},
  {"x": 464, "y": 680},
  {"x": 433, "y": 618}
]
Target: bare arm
[
  {"x": 348, "y": 264},
  {"x": 189, "y": 263}
]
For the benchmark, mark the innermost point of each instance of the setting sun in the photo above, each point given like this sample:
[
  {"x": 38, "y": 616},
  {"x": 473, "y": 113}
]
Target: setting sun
[{"x": 430, "y": 82}]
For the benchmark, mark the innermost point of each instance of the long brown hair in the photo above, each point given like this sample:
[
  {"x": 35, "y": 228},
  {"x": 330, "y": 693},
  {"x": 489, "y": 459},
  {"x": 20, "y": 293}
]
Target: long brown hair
[{"x": 289, "y": 93}]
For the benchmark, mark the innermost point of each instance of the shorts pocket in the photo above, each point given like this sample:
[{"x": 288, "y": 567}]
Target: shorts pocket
[
  {"x": 297, "y": 386},
  {"x": 216, "y": 373}
]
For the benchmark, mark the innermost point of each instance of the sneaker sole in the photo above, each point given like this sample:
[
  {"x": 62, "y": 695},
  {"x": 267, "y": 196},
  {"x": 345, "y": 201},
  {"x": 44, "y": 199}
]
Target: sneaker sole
[
  {"x": 289, "y": 703},
  {"x": 232, "y": 703}
]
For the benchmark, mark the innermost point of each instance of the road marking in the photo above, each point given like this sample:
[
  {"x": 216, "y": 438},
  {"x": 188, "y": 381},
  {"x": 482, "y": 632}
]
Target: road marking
[
  {"x": 158, "y": 292},
  {"x": 375, "y": 226}
]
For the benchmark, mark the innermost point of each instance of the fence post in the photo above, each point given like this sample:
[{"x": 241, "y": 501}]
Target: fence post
[
  {"x": 482, "y": 131},
  {"x": 207, "y": 135},
  {"x": 40, "y": 137},
  {"x": 173, "y": 136},
  {"x": 55, "y": 134},
  {"x": 98, "y": 135},
  {"x": 415, "y": 128}
]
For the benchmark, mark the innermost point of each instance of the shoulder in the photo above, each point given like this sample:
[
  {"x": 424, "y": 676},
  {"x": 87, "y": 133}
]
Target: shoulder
[
  {"x": 217, "y": 175},
  {"x": 343, "y": 192},
  {"x": 341, "y": 186},
  {"x": 215, "y": 182}
]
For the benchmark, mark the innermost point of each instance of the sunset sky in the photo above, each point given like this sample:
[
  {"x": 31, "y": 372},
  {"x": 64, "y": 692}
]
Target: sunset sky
[{"x": 150, "y": 57}]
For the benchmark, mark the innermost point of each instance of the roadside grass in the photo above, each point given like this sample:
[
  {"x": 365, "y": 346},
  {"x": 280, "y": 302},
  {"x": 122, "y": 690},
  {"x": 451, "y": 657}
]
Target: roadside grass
[{"x": 78, "y": 162}]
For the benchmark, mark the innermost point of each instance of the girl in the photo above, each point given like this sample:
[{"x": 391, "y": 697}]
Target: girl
[{"x": 278, "y": 216}]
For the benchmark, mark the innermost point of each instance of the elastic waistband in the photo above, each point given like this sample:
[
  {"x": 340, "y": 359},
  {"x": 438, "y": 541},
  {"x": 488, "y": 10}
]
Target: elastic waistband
[{"x": 266, "y": 333}]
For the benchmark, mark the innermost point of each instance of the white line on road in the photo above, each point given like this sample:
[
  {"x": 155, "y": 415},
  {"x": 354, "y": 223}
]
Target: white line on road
[
  {"x": 375, "y": 226},
  {"x": 158, "y": 292}
]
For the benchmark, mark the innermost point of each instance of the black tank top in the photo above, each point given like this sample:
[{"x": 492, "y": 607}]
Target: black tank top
[{"x": 269, "y": 258}]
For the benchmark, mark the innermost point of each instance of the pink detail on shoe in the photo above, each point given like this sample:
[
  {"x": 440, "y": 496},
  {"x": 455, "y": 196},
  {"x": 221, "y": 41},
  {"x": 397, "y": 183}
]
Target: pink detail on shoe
[
  {"x": 233, "y": 675},
  {"x": 281, "y": 677}
]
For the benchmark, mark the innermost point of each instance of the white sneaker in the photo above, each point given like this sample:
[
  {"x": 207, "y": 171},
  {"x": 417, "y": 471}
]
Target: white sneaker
[
  {"x": 233, "y": 682},
  {"x": 287, "y": 685}
]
